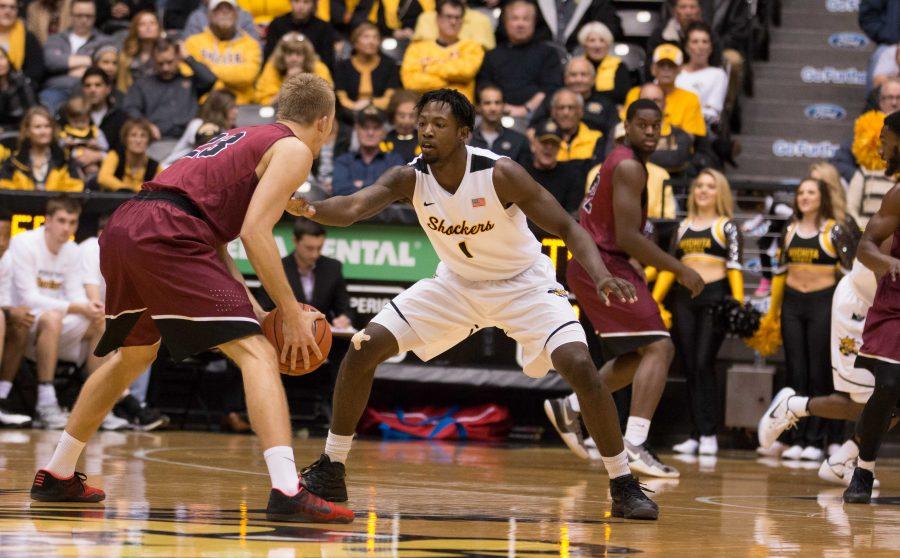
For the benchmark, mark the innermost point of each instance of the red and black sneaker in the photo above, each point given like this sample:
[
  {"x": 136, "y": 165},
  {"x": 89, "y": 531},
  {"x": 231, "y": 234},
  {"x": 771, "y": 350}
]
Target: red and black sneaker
[
  {"x": 49, "y": 488},
  {"x": 305, "y": 507}
]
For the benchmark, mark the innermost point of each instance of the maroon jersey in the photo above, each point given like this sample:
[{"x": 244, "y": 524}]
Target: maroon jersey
[
  {"x": 883, "y": 320},
  {"x": 597, "y": 215},
  {"x": 219, "y": 177}
]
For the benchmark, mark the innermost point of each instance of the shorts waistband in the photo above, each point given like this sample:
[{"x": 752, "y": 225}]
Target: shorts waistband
[{"x": 174, "y": 198}]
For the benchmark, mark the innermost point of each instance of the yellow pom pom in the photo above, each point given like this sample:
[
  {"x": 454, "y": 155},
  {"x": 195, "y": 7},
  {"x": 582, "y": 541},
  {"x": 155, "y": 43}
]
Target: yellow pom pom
[
  {"x": 666, "y": 316},
  {"x": 767, "y": 338},
  {"x": 867, "y": 140}
]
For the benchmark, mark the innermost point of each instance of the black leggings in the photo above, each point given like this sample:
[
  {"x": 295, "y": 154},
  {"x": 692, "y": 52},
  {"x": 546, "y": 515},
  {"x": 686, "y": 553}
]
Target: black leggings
[
  {"x": 806, "y": 331},
  {"x": 876, "y": 415},
  {"x": 697, "y": 340}
]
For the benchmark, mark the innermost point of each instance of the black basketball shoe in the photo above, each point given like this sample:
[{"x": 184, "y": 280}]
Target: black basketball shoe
[
  {"x": 325, "y": 479},
  {"x": 629, "y": 500},
  {"x": 860, "y": 489}
]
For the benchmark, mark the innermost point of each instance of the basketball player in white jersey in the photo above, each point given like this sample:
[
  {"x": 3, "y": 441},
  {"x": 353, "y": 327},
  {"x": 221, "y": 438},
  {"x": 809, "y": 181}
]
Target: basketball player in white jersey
[{"x": 473, "y": 206}]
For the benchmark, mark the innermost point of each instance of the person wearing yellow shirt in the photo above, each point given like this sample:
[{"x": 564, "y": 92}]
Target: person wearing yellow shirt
[
  {"x": 683, "y": 107},
  {"x": 128, "y": 167},
  {"x": 264, "y": 11},
  {"x": 475, "y": 26},
  {"x": 579, "y": 141},
  {"x": 294, "y": 54},
  {"x": 448, "y": 61},
  {"x": 233, "y": 56},
  {"x": 39, "y": 163}
]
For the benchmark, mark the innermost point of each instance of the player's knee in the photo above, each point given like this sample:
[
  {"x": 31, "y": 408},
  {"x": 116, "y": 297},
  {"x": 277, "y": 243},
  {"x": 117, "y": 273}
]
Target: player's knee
[
  {"x": 573, "y": 362},
  {"x": 138, "y": 357},
  {"x": 372, "y": 346},
  {"x": 663, "y": 349}
]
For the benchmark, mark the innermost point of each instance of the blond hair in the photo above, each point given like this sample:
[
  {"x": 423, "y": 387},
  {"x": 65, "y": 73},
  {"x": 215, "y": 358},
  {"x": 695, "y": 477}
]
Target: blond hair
[
  {"x": 294, "y": 43},
  {"x": 305, "y": 98},
  {"x": 829, "y": 174},
  {"x": 724, "y": 199}
]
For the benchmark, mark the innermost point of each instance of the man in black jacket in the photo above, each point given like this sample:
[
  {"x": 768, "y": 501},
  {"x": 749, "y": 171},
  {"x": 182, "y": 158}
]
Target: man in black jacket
[
  {"x": 490, "y": 132},
  {"x": 302, "y": 19},
  {"x": 560, "y": 21}
]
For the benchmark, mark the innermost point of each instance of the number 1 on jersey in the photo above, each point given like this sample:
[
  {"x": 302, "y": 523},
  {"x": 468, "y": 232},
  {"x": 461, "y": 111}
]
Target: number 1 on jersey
[{"x": 465, "y": 249}]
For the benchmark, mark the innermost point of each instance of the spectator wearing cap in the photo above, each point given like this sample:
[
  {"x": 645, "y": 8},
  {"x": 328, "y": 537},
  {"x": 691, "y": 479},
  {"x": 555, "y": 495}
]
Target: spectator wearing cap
[
  {"x": 490, "y": 132},
  {"x": 526, "y": 69},
  {"x": 475, "y": 26},
  {"x": 612, "y": 78},
  {"x": 599, "y": 111},
  {"x": 24, "y": 50},
  {"x": 448, "y": 61},
  {"x": 293, "y": 55},
  {"x": 198, "y": 21},
  {"x": 579, "y": 141},
  {"x": 357, "y": 169},
  {"x": 682, "y": 107},
  {"x": 562, "y": 179},
  {"x": 302, "y": 19},
  {"x": 367, "y": 77},
  {"x": 230, "y": 53}
]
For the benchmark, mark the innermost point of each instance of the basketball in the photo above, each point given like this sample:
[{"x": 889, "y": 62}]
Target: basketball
[{"x": 273, "y": 331}]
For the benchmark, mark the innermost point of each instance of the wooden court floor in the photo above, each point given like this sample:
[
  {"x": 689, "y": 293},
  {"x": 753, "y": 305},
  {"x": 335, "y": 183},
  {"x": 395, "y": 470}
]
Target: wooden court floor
[{"x": 200, "y": 494}]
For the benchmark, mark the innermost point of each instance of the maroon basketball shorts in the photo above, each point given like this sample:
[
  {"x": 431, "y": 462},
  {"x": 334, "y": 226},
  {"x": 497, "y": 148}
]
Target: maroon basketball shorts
[
  {"x": 622, "y": 327},
  {"x": 881, "y": 334},
  {"x": 165, "y": 280}
]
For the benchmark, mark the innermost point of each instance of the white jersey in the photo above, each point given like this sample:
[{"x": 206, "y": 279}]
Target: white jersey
[
  {"x": 43, "y": 280},
  {"x": 90, "y": 265},
  {"x": 473, "y": 234},
  {"x": 6, "y": 280}
]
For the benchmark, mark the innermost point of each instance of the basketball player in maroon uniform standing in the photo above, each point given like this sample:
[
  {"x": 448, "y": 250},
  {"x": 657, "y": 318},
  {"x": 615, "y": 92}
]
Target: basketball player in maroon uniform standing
[
  {"x": 170, "y": 278},
  {"x": 632, "y": 336},
  {"x": 880, "y": 351}
]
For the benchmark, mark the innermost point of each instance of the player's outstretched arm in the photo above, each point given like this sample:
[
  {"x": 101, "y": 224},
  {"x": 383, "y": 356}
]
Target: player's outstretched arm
[
  {"x": 881, "y": 226},
  {"x": 342, "y": 211},
  {"x": 514, "y": 185}
]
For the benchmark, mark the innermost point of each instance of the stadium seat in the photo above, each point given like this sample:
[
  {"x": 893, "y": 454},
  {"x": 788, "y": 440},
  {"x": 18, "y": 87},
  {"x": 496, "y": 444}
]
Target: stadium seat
[{"x": 638, "y": 23}]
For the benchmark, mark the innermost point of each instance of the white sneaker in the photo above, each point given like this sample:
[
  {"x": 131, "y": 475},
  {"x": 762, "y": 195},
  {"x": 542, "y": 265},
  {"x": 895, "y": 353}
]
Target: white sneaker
[
  {"x": 567, "y": 423},
  {"x": 775, "y": 450},
  {"x": 840, "y": 472},
  {"x": 793, "y": 453},
  {"x": 112, "y": 422},
  {"x": 832, "y": 448},
  {"x": 688, "y": 447},
  {"x": 709, "y": 445},
  {"x": 592, "y": 450},
  {"x": 642, "y": 460},
  {"x": 776, "y": 419},
  {"x": 811, "y": 453},
  {"x": 52, "y": 417},
  {"x": 11, "y": 418}
]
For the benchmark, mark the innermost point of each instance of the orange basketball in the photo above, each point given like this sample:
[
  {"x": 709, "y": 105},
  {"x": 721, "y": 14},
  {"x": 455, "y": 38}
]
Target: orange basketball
[{"x": 273, "y": 331}]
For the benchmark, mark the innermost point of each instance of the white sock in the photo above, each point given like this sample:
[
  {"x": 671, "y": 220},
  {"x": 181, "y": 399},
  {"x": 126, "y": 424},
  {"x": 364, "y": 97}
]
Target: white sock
[
  {"x": 849, "y": 450},
  {"x": 636, "y": 430},
  {"x": 867, "y": 465},
  {"x": 68, "y": 450},
  {"x": 573, "y": 402},
  {"x": 282, "y": 469},
  {"x": 617, "y": 465},
  {"x": 337, "y": 447},
  {"x": 5, "y": 388},
  {"x": 46, "y": 395},
  {"x": 798, "y": 405}
]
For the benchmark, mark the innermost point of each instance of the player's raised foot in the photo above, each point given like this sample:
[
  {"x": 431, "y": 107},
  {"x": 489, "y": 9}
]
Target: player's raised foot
[
  {"x": 629, "y": 500},
  {"x": 305, "y": 507},
  {"x": 568, "y": 423},
  {"x": 325, "y": 478},
  {"x": 840, "y": 472},
  {"x": 777, "y": 418},
  {"x": 860, "y": 489},
  {"x": 48, "y": 488},
  {"x": 641, "y": 459}
]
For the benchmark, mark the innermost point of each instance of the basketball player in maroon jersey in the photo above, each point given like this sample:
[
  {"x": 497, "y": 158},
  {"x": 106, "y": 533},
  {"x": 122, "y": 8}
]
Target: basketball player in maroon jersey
[
  {"x": 170, "y": 279},
  {"x": 880, "y": 351},
  {"x": 633, "y": 337}
]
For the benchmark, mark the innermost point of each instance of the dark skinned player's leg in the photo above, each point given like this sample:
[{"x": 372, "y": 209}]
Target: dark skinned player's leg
[{"x": 650, "y": 377}]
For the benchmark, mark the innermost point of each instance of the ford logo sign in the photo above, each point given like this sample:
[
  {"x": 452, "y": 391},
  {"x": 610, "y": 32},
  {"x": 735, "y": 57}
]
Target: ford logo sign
[
  {"x": 848, "y": 40},
  {"x": 825, "y": 111}
]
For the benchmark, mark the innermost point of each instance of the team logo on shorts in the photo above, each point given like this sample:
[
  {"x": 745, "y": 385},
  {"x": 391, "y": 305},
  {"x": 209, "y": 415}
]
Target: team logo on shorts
[
  {"x": 562, "y": 293},
  {"x": 848, "y": 346}
]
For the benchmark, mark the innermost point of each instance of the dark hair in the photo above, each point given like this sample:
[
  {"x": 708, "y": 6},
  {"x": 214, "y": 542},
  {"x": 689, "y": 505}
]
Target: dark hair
[
  {"x": 698, "y": 26},
  {"x": 63, "y": 203},
  {"x": 892, "y": 121},
  {"x": 484, "y": 88},
  {"x": 826, "y": 208},
  {"x": 641, "y": 104},
  {"x": 461, "y": 108},
  {"x": 131, "y": 124},
  {"x": 96, "y": 72},
  {"x": 216, "y": 107},
  {"x": 163, "y": 44},
  {"x": 306, "y": 227},
  {"x": 456, "y": 3},
  {"x": 9, "y": 64}
]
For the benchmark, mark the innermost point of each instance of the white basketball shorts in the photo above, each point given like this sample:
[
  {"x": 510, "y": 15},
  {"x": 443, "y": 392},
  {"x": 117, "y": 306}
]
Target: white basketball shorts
[
  {"x": 848, "y": 316},
  {"x": 72, "y": 346}
]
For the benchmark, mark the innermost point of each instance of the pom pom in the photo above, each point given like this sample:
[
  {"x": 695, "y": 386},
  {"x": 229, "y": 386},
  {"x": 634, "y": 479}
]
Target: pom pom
[
  {"x": 666, "y": 315},
  {"x": 767, "y": 338},
  {"x": 867, "y": 140},
  {"x": 735, "y": 318}
]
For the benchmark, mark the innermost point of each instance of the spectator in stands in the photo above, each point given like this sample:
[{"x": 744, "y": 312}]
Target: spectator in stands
[
  {"x": 880, "y": 21},
  {"x": 675, "y": 149},
  {"x": 561, "y": 22},
  {"x": 48, "y": 17},
  {"x": 293, "y": 55},
  {"x": 198, "y": 21},
  {"x": 732, "y": 24},
  {"x": 84, "y": 142},
  {"x": 302, "y": 19},
  {"x": 612, "y": 77},
  {"x": 682, "y": 107},
  {"x": 107, "y": 59},
  {"x": 526, "y": 69},
  {"x": 168, "y": 98},
  {"x": 97, "y": 90},
  {"x": 887, "y": 65},
  {"x": 579, "y": 141},
  {"x": 136, "y": 58},
  {"x": 16, "y": 93},
  {"x": 128, "y": 167},
  {"x": 15, "y": 321},
  {"x": 475, "y": 26},
  {"x": 562, "y": 179},
  {"x": 233, "y": 56},
  {"x": 447, "y": 61},
  {"x": 25, "y": 52},
  {"x": 490, "y": 133},
  {"x": 68, "y": 54},
  {"x": 217, "y": 114},
  {"x": 709, "y": 83},
  {"x": 264, "y": 11},
  {"x": 114, "y": 16},
  {"x": 39, "y": 163},
  {"x": 599, "y": 111},
  {"x": 357, "y": 169},
  {"x": 367, "y": 77},
  {"x": 401, "y": 113}
]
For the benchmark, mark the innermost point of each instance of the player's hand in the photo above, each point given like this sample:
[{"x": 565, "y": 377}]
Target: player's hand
[
  {"x": 21, "y": 317},
  {"x": 894, "y": 269},
  {"x": 299, "y": 207},
  {"x": 621, "y": 289},
  {"x": 298, "y": 325},
  {"x": 690, "y": 279}
]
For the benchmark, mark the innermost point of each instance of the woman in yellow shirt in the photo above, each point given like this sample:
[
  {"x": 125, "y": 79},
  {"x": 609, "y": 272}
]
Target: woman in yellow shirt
[
  {"x": 128, "y": 167},
  {"x": 293, "y": 55},
  {"x": 39, "y": 162},
  {"x": 367, "y": 78}
]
